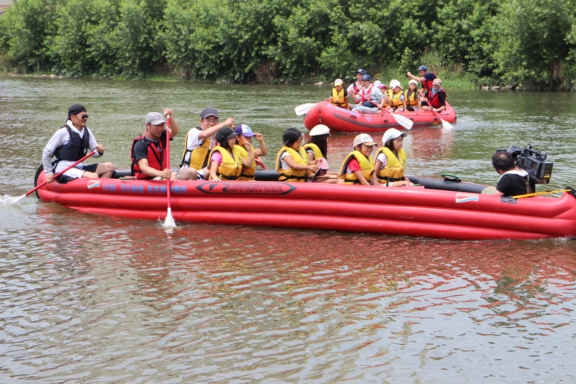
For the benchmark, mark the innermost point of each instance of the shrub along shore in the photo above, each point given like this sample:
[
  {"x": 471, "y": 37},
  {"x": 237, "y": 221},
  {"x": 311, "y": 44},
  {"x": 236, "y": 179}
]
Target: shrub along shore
[{"x": 468, "y": 43}]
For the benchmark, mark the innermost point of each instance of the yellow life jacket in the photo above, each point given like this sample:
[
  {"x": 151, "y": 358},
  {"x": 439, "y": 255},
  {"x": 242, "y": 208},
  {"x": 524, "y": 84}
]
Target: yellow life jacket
[
  {"x": 198, "y": 157},
  {"x": 231, "y": 167},
  {"x": 394, "y": 170},
  {"x": 294, "y": 175},
  {"x": 366, "y": 165},
  {"x": 317, "y": 152},
  {"x": 247, "y": 173},
  {"x": 395, "y": 101},
  {"x": 338, "y": 98},
  {"x": 411, "y": 100}
]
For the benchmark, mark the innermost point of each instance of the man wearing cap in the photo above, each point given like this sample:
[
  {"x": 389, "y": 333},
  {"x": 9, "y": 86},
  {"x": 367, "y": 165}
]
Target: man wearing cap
[
  {"x": 358, "y": 166},
  {"x": 198, "y": 143},
  {"x": 244, "y": 135},
  {"x": 339, "y": 96},
  {"x": 425, "y": 77},
  {"x": 71, "y": 143},
  {"x": 436, "y": 98},
  {"x": 371, "y": 97},
  {"x": 149, "y": 150},
  {"x": 356, "y": 86}
]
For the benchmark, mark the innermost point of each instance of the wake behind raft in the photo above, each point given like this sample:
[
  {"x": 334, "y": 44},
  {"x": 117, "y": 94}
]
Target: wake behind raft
[{"x": 459, "y": 212}]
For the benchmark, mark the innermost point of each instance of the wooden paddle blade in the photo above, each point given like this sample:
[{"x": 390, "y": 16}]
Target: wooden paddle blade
[
  {"x": 403, "y": 121},
  {"x": 303, "y": 109}
]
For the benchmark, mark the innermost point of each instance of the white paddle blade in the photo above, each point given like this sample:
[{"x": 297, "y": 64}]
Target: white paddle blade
[
  {"x": 169, "y": 222},
  {"x": 16, "y": 200},
  {"x": 303, "y": 109},
  {"x": 446, "y": 125},
  {"x": 403, "y": 121}
]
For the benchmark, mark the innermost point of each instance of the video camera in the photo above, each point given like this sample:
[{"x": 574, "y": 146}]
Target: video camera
[{"x": 533, "y": 162}]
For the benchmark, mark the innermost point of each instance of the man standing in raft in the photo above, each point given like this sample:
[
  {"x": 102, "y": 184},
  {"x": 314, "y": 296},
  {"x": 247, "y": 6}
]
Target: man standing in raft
[
  {"x": 148, "y": 151},
  {"x": 199, "y": 142},
  {"x": 71, "y": 143}
]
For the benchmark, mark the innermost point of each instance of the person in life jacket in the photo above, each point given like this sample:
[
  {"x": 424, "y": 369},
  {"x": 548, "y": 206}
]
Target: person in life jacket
[
  {"x": 355, "y": 87},
  {"x": 244, "y": 135},
  {"x": 412, "y": 96},
  {"x": 292, "y": 162},
  {"x": 199, "y": 142},
  {"x": 436, "y": 100},
  {"x": 396, "y": 97},
  {"x": 71, "y": 143},
  {"x": 226, "y": 160},
  {"x": 391, "y": 160},
  {"x": 339, "y": 96},
  {"x": 513, "y": 180},
  {"x": 385, "y": 103},
  {"x": 358, "y": 166},
  {"x": 148, "y": 151},
  {"x": 425, "y": 77},
  {"x": 317, "y": 148},
  {"x": 370, "y": 97}
]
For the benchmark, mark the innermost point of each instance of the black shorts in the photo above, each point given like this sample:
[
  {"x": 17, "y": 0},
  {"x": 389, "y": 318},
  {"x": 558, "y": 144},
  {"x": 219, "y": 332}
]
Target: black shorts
[
  {"x": 63, "y": 179},
  {"x": 425, "y": 104}
]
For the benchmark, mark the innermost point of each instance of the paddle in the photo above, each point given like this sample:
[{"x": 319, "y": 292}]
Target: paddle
[
  {"x": 403, "y": 121},
  {"x": 55, "y": 176},
  {"x": 445, "y": 124},
  {"x": 169, "y": 222},
  {"x": 303, "y": 109},
  {"x": 540, "y": 193}
]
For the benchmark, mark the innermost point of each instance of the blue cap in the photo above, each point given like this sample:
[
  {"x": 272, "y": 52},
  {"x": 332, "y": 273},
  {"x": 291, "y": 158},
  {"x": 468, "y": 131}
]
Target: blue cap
[
  {"x": 422, "y": 68},
  {"x": 362, "y": 72},
  {"x": 244, "y": 130},
  {"x": 366, "y": 78}
]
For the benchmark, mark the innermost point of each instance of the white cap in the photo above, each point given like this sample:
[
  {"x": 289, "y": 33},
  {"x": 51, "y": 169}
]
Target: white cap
[
  {"x": 392, "y": 134},
  {"x": 394, "y": 84},
  {"x": 338, "y": 82},
  {"x": 363, "y": 138},
  {"x": 377, "y": 83},
  {"x": 413, "y": 82},
  {"x": 319, "y": 130}
]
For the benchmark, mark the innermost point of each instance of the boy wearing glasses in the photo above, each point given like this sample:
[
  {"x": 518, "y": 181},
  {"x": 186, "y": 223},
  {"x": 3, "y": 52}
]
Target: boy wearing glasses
[{"x": 71, "y": 143}]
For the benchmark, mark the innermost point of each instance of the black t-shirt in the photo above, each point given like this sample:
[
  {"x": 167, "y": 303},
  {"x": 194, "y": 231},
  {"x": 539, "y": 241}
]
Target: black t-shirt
[
  {"x": 512, "y": 185},
  {"x": 141, "y": 147},
  {"x": 442, "y": 99}
]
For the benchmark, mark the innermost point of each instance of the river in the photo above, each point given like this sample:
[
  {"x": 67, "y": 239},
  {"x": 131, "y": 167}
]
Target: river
[{"x": 89, "y": 298}]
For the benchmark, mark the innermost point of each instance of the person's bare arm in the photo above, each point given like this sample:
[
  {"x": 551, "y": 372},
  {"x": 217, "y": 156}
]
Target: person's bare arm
[
  {"x": 361, "y": 178},
  {"x": 212, "y": 130},
  {"x": 149, "y": 171}
]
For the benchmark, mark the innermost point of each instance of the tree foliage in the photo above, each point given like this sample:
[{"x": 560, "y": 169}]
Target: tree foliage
[{"x": 516, "y": 41}]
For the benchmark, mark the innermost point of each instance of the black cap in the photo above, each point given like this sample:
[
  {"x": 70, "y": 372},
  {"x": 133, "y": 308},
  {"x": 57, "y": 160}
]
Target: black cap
[
  {"x": 224, "y": 134},
  {"x": 75, "y": 109}
]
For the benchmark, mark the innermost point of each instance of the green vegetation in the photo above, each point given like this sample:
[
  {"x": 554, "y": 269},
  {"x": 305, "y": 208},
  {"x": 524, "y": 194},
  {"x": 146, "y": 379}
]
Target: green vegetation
[{"x": 519, "y": 42}]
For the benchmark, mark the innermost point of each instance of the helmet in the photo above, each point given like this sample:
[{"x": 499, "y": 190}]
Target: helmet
[
  {"x": 366, "y": 77},
  {"x": 394, "y": 84},
  {"x": 422, "y": 68},
  {"x": 392, "y": 134},
  {"x": 319, "y": 130}
]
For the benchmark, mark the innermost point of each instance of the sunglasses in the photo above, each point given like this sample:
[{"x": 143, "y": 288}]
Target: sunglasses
[{"x": 83, "y": 117}]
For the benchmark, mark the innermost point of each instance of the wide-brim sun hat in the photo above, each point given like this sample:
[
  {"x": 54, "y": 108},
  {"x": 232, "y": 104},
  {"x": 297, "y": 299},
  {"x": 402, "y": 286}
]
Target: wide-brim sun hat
[
  {"x": 363, "y": 138},
  {"x": 320, "y": 130},
  {"x": 392, "y": 134}
]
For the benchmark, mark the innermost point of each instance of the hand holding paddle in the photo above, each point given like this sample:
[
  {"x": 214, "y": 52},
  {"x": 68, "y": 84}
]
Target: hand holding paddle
[{"x": 18, "y": 199}]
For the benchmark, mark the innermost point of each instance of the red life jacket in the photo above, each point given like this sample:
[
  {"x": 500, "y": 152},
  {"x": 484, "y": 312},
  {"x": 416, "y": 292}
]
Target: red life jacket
[
  {"x": 434, "y": 100},
  {"x": 154, "y": 156},
  {"x": 428, "y": 83}
]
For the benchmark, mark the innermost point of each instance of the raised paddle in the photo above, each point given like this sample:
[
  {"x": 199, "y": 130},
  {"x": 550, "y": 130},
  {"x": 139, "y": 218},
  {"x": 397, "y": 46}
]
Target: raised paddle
[
  {"x": 18, "y": 199},
  {"x": 169, "y": 222},
  {"x": 303, "y": 109}
]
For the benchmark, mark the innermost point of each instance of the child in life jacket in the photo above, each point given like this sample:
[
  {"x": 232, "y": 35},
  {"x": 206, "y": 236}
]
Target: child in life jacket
[
  {"x": 412, "y": 96},
  {"x": 292, "y": 162},
  {"x": 358, "y": 166},
  {"x": 226, "y": 160},
  {"x": 385, "y": 103},
  {"x": 244, "y": 135},
  {"x": 396, "y": 96},
  {"x": 317, "y": 148},
  {"x": 391, "y": 160},
  {"x": 339, "y": 96}
]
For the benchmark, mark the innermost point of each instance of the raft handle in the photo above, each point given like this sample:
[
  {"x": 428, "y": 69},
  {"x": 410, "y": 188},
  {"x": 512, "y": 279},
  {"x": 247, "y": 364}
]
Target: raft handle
[
  {"x": 451, "y": 177},
  {"x": 571, "y": 191}
]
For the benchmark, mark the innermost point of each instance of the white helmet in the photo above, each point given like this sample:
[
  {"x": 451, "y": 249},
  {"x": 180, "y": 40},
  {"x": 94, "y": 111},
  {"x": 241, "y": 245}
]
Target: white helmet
[
  {"x": 394, "y": 84},
  {"x": 319, "y": 130},
  {"x": 392, "y": 134}
]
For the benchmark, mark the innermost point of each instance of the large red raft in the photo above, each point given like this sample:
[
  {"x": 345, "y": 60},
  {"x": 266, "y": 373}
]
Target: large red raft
[
  {"x": 412, "y": 211},
  {"x": 343, "y": 120}
]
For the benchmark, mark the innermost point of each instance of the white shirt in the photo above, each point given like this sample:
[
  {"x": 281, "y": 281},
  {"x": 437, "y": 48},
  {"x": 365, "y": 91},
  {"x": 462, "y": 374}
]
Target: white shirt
[
  {"x": 60, "y": 138},
  {"x": 383, "y": 159},
  {"x": 193, "y": 142}
]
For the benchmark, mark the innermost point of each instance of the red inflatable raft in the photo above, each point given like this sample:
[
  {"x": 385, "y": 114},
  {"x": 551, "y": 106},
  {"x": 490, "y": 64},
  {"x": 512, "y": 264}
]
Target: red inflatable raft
[
  {"x": 343, "y": 120},
  {"x": 411, "y": 211}
]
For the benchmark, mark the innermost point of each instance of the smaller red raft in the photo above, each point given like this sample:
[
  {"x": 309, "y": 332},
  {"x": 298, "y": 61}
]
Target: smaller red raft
[{"x": 342, "y": 120}]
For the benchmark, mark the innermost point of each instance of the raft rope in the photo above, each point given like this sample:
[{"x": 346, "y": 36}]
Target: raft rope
[{"x": 540, "y": 193}]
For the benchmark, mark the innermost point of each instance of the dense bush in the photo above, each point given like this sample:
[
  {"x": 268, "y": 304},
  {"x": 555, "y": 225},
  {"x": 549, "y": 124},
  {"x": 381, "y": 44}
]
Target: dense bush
[{"x": 515, "y": 41}]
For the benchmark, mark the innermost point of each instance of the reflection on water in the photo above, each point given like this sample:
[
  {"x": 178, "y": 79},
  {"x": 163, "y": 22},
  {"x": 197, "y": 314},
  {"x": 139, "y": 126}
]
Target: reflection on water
[{"x": 88, "y": 298}]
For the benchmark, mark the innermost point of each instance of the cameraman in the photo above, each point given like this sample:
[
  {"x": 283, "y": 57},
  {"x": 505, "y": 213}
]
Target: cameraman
[{"x": 513, "y": 180}]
